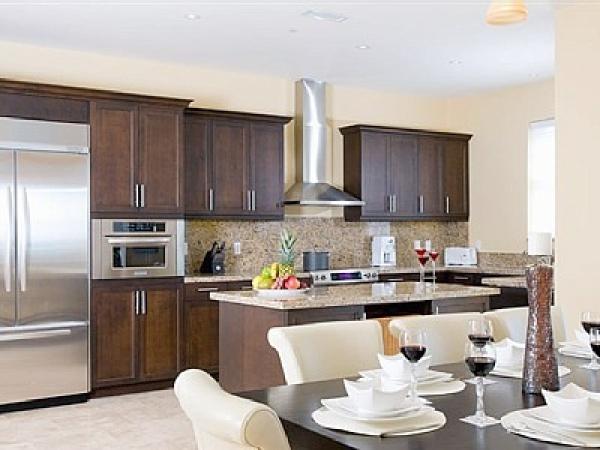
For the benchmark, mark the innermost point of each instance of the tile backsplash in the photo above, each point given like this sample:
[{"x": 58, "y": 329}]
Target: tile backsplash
[{"x": 349, "y": 243}]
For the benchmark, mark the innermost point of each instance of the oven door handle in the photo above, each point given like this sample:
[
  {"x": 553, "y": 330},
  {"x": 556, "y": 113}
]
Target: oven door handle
[{"x": 139, "y": 240}]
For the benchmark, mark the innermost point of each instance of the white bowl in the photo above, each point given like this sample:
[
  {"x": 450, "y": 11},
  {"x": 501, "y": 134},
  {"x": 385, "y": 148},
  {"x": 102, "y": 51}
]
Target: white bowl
[
  {"x": 281, "y": 294},
  {"x": 574, "y": 405},
  {"x": 371, "y": 396},
  {"x": 397, "y": 367}
]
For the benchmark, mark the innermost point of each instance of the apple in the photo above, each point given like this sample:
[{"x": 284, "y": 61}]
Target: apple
[{"x": 292, "y": 282}]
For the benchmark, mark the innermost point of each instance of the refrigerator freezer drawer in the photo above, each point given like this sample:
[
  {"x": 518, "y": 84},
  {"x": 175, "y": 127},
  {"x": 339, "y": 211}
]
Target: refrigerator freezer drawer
[{"x": 41, "y": 362}]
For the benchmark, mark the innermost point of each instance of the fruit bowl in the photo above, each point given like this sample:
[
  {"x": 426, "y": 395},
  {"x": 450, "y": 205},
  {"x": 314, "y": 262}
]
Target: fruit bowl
[{"x": 281, "y": 294}]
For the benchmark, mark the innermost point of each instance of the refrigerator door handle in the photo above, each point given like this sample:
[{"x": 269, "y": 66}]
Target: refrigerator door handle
[
  {"x": 26, "y": 336},
  {"x": 9, "y": 239},
  {"x": 23, "y": 236}
]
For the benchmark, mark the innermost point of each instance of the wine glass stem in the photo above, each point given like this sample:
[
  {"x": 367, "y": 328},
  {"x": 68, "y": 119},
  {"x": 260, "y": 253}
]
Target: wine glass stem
[
  {"x": 480, "y": 412},
  {"x": 421, "y": 274},
  {"x": 594, "y": 359},
  {"x": 413, "y": 382},
  {"x": 433, "y": 265}
]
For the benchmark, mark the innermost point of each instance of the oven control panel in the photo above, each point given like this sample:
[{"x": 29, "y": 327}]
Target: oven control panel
[{"x": 343, "y": 276}]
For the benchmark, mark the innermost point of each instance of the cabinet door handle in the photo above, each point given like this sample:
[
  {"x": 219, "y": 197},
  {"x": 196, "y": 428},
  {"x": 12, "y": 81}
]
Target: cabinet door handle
[
  {"x": 394, "y": 280},
  {"x": 395, "y": 203},
  {"x": 136, "y": 194},
  {"x": 460, "y": 278},
  {"x": 142, "y": 195},
  {"x": 248, "y": 200},
  {"x": 247, "y": 288},
  {"x": 137, "y": 302},
  {"x": 389, "y": 203},
  {"x": 207, "y": 289},
  {"x": 253, "y": 200},
  {"x": 421, "y": 204},
  {"x": 144, "y": 304},
  {"x": 447, "y": 204},
  {"x": 211, "y": 199}
]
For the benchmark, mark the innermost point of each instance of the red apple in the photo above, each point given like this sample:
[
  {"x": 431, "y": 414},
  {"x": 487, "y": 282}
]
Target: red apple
[{"x": 292, "y": 282}]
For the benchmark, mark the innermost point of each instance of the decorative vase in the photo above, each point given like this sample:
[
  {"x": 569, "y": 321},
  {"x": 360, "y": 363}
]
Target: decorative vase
[{"x": 540, "y": 369}]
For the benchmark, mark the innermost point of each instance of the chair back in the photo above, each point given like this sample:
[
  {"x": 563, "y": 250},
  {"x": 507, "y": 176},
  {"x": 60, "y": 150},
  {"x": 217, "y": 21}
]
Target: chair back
[
  {"x": 328, "y": 350},
  {"x": 222, "y": 421},
  {"x": 446, "y": 334},
  {"x": 512, "y": 323}
]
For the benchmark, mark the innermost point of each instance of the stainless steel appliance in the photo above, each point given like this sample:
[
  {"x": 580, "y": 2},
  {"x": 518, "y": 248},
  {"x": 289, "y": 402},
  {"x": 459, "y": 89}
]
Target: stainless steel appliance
[
  {"x": 344, "y": 276},
  {"x": 137, "y": 248},
  {"x": 383, "y": 251},
  {"x": 44, "y": 259},
  {"x": 460, "y": 256},
  {"x": 314, "y": 260}
]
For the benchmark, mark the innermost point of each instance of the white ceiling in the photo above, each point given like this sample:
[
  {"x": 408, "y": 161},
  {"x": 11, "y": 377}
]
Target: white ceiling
[{"x": 418, "y": 46}]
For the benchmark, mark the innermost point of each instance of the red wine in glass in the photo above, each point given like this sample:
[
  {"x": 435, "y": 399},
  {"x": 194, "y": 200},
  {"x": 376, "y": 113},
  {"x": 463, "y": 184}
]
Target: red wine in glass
[
  {"x": 434, "y": 255},
  {"x": 480, "y": 366},
  {"x": 423, "y": 260},
  {"x": 596, "y": 348},
  {"x": 480, "y": 339},
  {"x": 588, "y": 325},
  {"x": 420, "y": 251},
  {"x": 413, "y": 353}
]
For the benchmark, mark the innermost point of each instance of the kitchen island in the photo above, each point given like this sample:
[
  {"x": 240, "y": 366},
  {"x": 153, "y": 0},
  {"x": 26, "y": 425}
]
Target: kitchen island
[{"x": 247, "y": 361}]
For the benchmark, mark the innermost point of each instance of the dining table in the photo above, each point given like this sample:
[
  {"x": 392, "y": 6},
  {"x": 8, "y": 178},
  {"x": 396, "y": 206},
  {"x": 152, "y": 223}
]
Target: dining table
[{"x": 295, "y": 404}]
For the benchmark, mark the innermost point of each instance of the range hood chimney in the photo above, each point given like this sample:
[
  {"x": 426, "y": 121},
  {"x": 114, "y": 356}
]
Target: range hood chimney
[{"x": 311, "y": 186}]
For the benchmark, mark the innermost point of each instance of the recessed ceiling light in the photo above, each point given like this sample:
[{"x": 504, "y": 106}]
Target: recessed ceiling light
[
  {"x": 192, "y": 16},
  {"x": 325, "y": 16},
  {"x": 363, "y": 47},
  {"x": 293, "y": 30},
  {"x": 455, "y": 62}
]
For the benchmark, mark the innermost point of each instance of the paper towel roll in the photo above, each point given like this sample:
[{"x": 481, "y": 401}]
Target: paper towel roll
[{"x": 539, "y": 244}]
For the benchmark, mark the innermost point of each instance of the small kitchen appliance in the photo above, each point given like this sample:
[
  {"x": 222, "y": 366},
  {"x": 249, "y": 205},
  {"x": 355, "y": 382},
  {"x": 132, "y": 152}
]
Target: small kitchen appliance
[
  {"x": 214, "y": 260},
  {"x": 383, "y": 251},
  {"x": 314, "y": 260},
  {"x": 460, "y": 256}
]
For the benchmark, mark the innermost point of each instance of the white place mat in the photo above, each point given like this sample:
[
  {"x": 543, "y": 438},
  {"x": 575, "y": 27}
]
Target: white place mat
[
  {"x": 403, "y": 427},
  {"x": 441, "y": 388},
  {"x": 518, "y": 422},
  {"x": 518, "y": 372}
]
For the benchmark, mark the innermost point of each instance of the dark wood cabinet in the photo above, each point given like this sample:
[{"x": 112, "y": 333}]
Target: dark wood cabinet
[
  {"x": 114, "y": 142},
  {"x": 135, "y": 331},
  {"x": 114, "y": 336},
  {"x": 234, "y": 165},
  {"x": 136, "y": 159},
  {"x": 405, "y": 174}
]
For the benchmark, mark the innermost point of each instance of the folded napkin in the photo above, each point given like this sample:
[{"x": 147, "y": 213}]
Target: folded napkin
[
  {"x": 580, "y": 347},
  {"x": 574, "y": 405},
  {"x": 509, "y": 354},
  {"x": 431, "y": 420},
  {"x": 517, "y": 372},
  {"x": 523, "y": 423},
  {"x": 397, "y": 367}
]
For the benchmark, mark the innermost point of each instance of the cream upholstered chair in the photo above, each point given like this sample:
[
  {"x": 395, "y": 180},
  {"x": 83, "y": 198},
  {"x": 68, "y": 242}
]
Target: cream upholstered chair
[
  {"x": 446, "y": 334},
  {"x": 328, "y": 350},
  {"x": 512, "y": 323},
  {"x": 222, "y": 421}
]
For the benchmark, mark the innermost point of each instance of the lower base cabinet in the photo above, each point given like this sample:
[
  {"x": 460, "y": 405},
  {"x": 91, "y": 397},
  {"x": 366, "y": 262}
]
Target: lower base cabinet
[{"x": 136, "y": 326}]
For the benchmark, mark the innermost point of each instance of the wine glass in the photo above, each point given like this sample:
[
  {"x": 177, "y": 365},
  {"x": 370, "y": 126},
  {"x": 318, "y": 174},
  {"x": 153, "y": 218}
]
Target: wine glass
[
  {"x": 413, "y": 347},
  {"x": 423, "y": 257},
  {"x": 433, "y": 255},
  {"x": 595, "y": 342},
  {"x": 479, "y": 332},
  {"x": 589, "y": 321},
  {"x": 481, "y": 360}
]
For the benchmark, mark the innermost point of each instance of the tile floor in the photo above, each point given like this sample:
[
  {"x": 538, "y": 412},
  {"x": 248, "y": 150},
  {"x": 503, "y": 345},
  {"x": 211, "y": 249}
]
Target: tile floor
[{"x": 149, "y": 420}]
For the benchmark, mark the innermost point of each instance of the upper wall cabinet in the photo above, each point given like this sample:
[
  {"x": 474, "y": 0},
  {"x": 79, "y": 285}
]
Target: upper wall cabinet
[
  {"x": 234, "y": 165},
  {"x": 136, "y": 159},
  {"x": 406, "y": 174}
]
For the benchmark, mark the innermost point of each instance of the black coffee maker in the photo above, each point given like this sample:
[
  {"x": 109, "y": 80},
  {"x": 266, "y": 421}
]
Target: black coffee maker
[{"x": 214, "y": 260}]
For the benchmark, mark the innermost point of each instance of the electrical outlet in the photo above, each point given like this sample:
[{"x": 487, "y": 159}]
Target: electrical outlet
[{"x": 237, "y": 248}]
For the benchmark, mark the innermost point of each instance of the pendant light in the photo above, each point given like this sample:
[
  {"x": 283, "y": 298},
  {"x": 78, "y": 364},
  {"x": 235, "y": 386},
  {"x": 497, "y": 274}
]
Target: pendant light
[{"x": 505, "y": 12}]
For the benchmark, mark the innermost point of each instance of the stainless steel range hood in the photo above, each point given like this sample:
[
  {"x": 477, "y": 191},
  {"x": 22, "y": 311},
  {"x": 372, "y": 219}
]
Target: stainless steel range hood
[{"x": 312, "y": 187}]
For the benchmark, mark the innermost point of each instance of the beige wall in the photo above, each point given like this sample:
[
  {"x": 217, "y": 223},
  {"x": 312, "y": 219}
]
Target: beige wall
[
  {"x": 499, "y": 123},
  {"x": 498, "y": 120},
  {"x": 578, "y": 158}
]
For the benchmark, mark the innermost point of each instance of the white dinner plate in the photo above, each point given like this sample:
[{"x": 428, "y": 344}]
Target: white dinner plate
[
  {"x": 344, "y": 407},
  {"x": 545, "y": 414}
]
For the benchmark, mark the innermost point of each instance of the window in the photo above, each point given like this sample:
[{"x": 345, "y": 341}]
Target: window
[{"x": 540, "y": 174}]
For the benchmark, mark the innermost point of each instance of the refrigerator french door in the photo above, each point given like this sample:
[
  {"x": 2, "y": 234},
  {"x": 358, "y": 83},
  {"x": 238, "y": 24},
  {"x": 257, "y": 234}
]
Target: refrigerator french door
[{"x": 44, "y": 259}]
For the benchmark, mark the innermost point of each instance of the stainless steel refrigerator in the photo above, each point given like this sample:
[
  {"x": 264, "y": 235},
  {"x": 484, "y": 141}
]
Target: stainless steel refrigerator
[{"x": 44, "y": 259}]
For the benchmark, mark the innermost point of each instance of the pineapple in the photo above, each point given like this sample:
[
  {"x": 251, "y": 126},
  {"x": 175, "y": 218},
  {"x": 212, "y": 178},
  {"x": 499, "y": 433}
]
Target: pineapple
[{"x": 288, "y": 255}]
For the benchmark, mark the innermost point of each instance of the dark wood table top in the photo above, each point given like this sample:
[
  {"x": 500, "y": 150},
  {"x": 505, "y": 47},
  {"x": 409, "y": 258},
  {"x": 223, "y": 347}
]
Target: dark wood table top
[{"x": 295, "y": 404}]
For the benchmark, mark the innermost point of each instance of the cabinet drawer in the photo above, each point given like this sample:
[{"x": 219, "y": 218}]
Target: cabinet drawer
[
  {"x": 201, "y": 291},
  {"x": 460, "y": 305},
  {"x": 306, "y": 316}
]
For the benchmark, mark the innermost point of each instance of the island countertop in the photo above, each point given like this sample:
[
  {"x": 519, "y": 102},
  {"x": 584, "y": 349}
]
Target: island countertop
[
  {"x": 357, "y": 294},
  {"x": 510, "y": 282}
]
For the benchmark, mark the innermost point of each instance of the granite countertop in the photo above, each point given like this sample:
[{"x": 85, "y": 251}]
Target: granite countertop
[
  {"x": 512, "y": 282},
  {"x": 233, "y": 277},
  {"x": 357, "y": 294}
]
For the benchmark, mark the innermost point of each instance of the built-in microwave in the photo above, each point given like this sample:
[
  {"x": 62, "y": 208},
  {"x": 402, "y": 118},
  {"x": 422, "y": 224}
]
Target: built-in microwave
[{"x": 137, "y": 248}]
